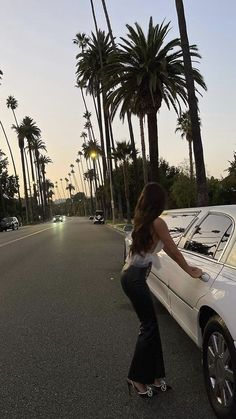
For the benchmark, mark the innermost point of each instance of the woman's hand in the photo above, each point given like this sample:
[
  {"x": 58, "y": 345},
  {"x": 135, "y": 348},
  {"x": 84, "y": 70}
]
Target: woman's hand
[{"x": 194, "y": 272}]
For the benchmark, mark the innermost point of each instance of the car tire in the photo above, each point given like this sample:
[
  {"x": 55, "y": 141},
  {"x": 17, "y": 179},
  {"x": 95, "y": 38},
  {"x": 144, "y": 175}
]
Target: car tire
[
  {"x": 219, "y": 367},
  {"x": 13, "y": 227}
]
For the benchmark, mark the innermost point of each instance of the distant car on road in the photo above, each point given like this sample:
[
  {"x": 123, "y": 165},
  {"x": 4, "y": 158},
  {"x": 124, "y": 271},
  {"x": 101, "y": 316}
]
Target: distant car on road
[
  {"x": 99, "y": 217},
  {"x": 7, "y": 223},
  {"x": 205, "y": 308},
  {"x": 57, "y": 218}
]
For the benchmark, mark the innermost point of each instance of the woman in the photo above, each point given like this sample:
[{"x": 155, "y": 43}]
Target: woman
[{"x": 150, "y": 235}]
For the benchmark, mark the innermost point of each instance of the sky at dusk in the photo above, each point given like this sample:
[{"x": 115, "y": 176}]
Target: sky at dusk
[{"x": 37, "y": 57}]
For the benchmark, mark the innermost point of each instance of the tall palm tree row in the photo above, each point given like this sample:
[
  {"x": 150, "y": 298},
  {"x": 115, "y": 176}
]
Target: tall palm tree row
[
  {"x": 128, "y": 114},
  {"x": 90, "y": 64},
  {"x": 21, "y": 143},
  {"x": 29, "y": 131},
  {"x": 13, "y": 160}
]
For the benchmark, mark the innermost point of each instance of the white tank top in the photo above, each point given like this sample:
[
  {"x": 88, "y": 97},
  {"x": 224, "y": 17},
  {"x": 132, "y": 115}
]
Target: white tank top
[{"x": 143, "y": 261}]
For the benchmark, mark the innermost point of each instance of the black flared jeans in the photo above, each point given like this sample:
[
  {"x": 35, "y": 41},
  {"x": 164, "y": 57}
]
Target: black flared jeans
[{"x": 147, "y": 363}]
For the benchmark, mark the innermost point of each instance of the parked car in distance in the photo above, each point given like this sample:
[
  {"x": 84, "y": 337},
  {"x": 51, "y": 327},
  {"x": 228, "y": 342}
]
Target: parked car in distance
[
  {"x": 205, "y": 308},
  {"x": 7, "y": 223},
  {"x": 99, "y": 217},
  {"x": 57, "y": 218}
]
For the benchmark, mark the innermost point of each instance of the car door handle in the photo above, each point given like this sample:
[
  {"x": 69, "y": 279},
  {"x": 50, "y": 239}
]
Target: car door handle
[{"x": 205, "y": 277}]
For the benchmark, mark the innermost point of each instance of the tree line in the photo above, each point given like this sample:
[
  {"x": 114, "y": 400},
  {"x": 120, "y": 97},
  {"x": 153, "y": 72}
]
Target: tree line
[{"x": 132, "y": 77}]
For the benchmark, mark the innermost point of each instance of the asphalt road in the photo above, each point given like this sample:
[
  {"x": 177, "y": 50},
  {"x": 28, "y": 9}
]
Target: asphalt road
[{"x": 68, "y": 332}]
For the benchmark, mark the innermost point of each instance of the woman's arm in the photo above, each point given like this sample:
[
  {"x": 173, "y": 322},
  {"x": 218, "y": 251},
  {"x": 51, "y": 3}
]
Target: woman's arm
[{"x": 162, "y": 232}]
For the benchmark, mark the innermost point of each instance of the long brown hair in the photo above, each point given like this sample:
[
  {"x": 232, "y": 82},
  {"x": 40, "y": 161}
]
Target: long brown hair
[{"x": 150, "y": 205}]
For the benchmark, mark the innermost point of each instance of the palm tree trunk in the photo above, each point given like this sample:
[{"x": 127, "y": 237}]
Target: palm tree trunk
[
  {"x": 128, "y": 113},
  {"x": 25, "y": 185},
  {"x": 85, "y": 186},
  {"x": 2, "y": 206},
  {"x": 40, "y": 184},
  {"x": 132, "y": 142},
  {"x": 144, "y": 160},
  {"x": 125, "y": 173},
  {"x": 153, "y": 145},
  {"x": 108, "y": 146},
  {"x": 33, "y": 180},
  {"x": 190, "y": 152},
  {"x": 91, "y": 196},
  {"x": 14, "y": 167},
  {"x": 46, "y": 200},
  {"x": 104, "y": 163},
  {"x": 117, "y": 186},
  {"x": 202, "y": 194},
  {"x": 29, "y": 185}
]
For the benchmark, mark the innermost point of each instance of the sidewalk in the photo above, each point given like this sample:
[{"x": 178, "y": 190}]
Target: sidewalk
[{"x": 122, "y": 227}]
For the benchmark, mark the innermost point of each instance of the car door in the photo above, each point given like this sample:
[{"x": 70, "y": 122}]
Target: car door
[
  {"x": 203, "y": 247},
  {"x": 178, "y": 222}
]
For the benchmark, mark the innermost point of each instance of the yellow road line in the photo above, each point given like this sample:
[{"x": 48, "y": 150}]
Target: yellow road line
[{"x": 25, "y": 237}]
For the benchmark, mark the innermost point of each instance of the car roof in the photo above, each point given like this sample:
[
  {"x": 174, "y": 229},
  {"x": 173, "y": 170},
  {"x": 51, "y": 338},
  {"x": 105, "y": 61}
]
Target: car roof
[{"x": 227, "y": 209}]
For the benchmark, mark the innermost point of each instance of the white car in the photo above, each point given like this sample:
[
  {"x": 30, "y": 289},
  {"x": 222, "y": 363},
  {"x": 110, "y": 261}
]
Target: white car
[{"x": 205, "y": 308}]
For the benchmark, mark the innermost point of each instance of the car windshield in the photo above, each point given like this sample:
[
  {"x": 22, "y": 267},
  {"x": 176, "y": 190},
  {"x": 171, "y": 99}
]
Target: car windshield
[
  {"x": 8, "y": 219},
  {"x": 99, "y": 213}
]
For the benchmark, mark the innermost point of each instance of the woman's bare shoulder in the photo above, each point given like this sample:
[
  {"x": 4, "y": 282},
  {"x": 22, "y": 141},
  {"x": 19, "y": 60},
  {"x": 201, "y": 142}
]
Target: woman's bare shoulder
[{"x": 159, "y": 223}]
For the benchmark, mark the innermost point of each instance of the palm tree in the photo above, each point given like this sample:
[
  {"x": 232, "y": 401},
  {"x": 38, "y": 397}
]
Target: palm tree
[
  {"x": 90, "y": 176},
  {"x": 123, "y": 153},
  {"x": 31, "y": 131},
  {"x": 80, "y": 176},
  {"x": 134, "y": 154},
  {"x": 74, "y": 177},
  {"x": 36, "y": 145},
  {"x": 71, "y": 188},
  {"x": 83, "y": 186},
  {"x": 21, "y": 137},
  {"x": 13, "y": 104},
  {"x": 185, "y": 127},
  {"x": 89, "y": 71},
  {"x": 82, "y": 166},
  {"x": 49, "y": 186},
  {"x": 92, "y": 150},
  {"x": 148, "y": 73},
  {"x": 81, "y": 39},
  {"x": 193, "y": 108},
  {"x": 62, "y": 187},
  {"x": 43, "y": 161}
]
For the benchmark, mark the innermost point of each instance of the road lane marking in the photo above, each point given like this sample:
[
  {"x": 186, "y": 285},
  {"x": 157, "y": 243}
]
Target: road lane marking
[{"x": 25, "y": 237}]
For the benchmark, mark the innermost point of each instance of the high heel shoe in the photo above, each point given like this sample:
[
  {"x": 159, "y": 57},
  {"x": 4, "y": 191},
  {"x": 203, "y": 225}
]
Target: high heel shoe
[
  {"x": 162, "y": 387},
  {"x": 145, "y": 395}
]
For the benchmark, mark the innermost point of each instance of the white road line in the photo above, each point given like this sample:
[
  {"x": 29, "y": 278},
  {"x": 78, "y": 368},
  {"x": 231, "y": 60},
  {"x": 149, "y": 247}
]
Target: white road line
[{"x": 25, "y": 237}]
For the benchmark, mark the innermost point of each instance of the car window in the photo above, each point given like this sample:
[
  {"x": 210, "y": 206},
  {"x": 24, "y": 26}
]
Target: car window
[
  {"x": 178, "y": 222},
  {"x": 210, "y": 237}
]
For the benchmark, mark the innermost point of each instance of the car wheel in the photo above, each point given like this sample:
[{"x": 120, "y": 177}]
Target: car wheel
[
  {"x": 13, "y": 227},
  {"x": 219, "y": 364}
]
